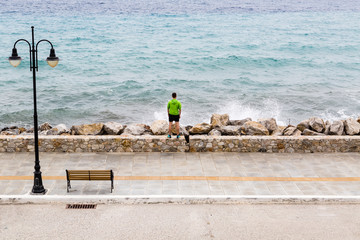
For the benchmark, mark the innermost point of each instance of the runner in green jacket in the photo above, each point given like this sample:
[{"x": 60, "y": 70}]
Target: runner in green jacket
[{"x": 174, "y": 112}]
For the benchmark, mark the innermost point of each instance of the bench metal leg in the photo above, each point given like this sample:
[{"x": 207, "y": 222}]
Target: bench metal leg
[
  {"x": 68, "y": 186},
  {"x": 112, "y": 186}
]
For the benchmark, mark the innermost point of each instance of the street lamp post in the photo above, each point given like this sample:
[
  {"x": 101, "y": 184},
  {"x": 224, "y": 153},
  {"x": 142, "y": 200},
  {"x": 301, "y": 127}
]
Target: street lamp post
[{"x": 52, "y": 60}]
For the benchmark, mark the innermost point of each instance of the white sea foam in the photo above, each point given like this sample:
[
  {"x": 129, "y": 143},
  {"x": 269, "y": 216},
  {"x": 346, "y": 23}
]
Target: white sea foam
[
  {"x": 338, "y": 115},
  {"x": 160, "y": 115},
  {"x": 269, "y": 108}
]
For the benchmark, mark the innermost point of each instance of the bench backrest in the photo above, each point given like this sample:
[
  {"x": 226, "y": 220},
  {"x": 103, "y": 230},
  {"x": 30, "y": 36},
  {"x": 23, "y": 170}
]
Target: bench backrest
[{"x": 90, "y": 175}]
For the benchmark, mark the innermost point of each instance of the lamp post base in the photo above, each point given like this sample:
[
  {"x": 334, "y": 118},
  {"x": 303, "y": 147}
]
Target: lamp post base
[
  {"x": 38, "y": 187},
  {"x": 38, "y": 193}
]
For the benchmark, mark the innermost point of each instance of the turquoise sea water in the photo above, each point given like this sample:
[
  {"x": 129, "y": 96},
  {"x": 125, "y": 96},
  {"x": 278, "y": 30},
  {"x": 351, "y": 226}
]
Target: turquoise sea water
[{"x": 121, "y": 60}]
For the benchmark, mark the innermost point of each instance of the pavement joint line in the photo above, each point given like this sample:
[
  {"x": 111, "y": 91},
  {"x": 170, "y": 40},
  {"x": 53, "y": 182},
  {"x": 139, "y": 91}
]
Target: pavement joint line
[{"x": 208, "y": 178}]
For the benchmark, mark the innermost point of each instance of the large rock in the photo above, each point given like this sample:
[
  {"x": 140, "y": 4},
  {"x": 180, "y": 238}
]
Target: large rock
[
  {"x": 58, "y": 130},
  {"x": 87, "y": 129},
  {"x": 352, "y": 127},
  {"x": 305, "y": 124},
  {"x": 136, "y": 129},
  {"x": 269, "y": 123},
  {"x": 229, "y": 130},
  {"x": 308, "y": 132},
  {"x": 254, "y": 128},
  {"x": 182, "y": 130},
  {"x": 113, "y": 128},
  {"x": 219, "y": 120},
  {"x": 160, "y": 127},
  {"x": 214, "y": 132},
  {"x": 291, "y": 131},
  {"x": 45, "y": 127},
  {"x": 317, "y": 124},
  {"x": 239, "y": 122},
  {"x": 22, "y": 129},
  {"x": 7, "y": 128},
  {"x": 30, "y": 130},
  {"x": 201, "y": 128},
  {"x": 336, "y": 128},
  {"x": 279, "y": 131},
  {"x": 15, "y": 131}
]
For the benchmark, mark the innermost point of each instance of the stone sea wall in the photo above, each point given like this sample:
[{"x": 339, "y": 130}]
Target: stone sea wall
[
  {"x": 197, "y": 143},
  {"x": 276, "y": 144},
  {"x": 220, "y": 135}
]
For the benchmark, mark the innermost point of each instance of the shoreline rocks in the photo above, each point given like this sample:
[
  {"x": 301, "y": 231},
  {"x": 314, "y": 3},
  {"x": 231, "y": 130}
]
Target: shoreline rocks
[
  {"x": 352, "y": 127},
  {"x": 113, "y": 128},
  {"x": 291, "y": 131},
  {"x": 270, "y": 124},
  {"x": 308, "y": 132},
  {"x": 87, "y": 129},
  {"x": 218, "y": 120},
  {"x": 229, "y": 130},
  {"x": 254, "y": 129},
  {"x": 214, "y": 132},
  {"x": 137, "y": 129},
  {"x": 201, "y": 128},
  {"x": 239, "y": 122},
  {"x": 336, "y": 128},
  {"x": 58, "y": 130},
  {"x": 303, "y": 125},
  {"x": 159, "y": 127},
  {"x": 220, "y": 125},
  {"x": 317, "y": 124}
]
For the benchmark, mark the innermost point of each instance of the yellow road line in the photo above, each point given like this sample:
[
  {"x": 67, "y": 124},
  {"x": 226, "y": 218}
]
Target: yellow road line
[{"x": 206, "y": 178}]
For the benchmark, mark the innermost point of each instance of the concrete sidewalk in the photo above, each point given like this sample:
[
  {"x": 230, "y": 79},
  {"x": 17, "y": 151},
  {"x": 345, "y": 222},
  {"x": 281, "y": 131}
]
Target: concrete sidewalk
[{"x": 192, "y": 176}]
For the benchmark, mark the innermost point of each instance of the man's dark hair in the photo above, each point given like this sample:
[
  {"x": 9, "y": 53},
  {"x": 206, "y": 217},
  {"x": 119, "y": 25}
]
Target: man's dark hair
[{"x": 174, "y": 95}]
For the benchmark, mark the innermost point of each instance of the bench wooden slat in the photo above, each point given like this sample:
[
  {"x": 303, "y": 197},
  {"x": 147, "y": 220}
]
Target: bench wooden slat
[
  {"x": 71, "y": 174},
  {"x": 80, "y": 178},
  {"x": 99, "y": 179},
  {"x": 90, "y": 175}
]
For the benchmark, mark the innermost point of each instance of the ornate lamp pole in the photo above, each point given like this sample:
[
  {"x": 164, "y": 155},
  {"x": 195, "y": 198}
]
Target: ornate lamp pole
[{"x": 52, "y": 60}]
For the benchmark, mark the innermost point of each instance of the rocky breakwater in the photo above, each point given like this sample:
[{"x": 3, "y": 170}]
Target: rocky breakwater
[
  {"x": 265, "y": 135},
  {"x": 220, "y": 134},
  {"x": 221, "y": 125}
]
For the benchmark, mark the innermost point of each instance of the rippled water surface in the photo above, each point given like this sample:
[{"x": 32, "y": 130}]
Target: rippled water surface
[{"x": 121, "y": 60}]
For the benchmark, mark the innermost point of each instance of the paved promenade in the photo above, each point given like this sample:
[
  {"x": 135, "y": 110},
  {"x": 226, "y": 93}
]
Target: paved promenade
[{"x": 188, "y": 174}]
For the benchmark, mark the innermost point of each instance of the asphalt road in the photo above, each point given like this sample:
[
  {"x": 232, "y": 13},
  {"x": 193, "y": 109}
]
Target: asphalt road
[{"x": 173, "y": 221}]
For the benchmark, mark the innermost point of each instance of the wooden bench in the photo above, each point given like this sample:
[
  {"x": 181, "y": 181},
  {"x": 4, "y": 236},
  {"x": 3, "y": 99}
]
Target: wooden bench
[{"x": 89, "y": 175}]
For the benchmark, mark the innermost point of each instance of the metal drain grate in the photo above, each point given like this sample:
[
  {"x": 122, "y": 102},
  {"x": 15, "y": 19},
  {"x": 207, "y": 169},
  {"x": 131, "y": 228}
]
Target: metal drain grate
[{"x": 80, "y": 206}]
